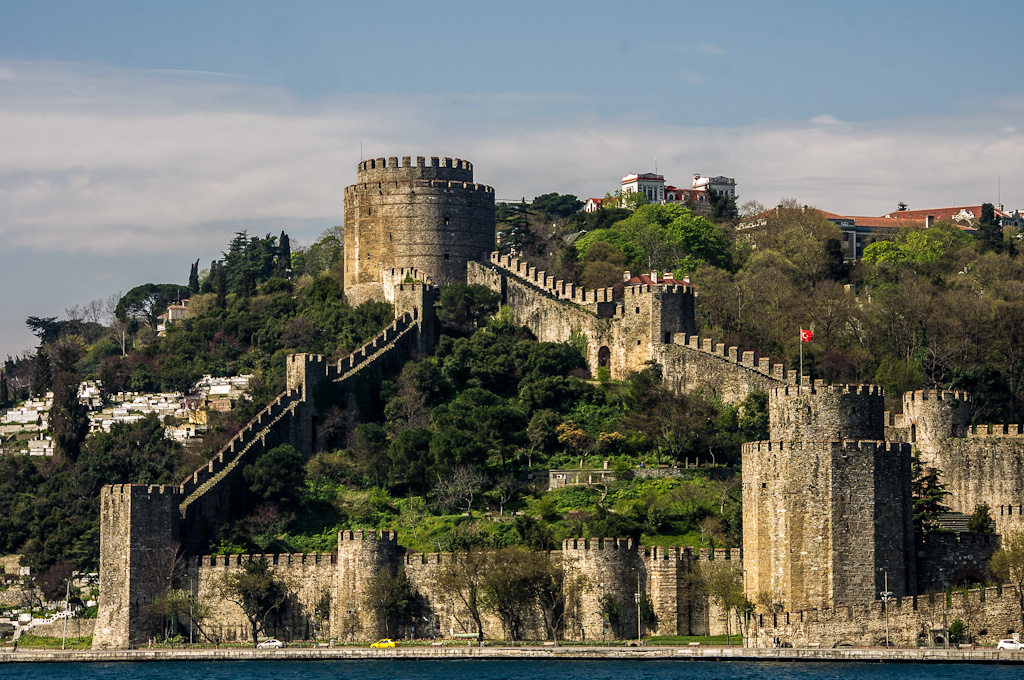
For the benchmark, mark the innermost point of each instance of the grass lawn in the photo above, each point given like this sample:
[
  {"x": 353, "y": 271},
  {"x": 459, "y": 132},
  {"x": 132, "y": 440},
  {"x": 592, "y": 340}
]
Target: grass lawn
[
  {"x": 737, "y": 639},
  {"x": 42, "y": 642}
]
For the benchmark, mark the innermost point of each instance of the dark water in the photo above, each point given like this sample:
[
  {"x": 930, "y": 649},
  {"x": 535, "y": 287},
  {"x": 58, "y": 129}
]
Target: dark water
[{"x": 503, "y": 670}]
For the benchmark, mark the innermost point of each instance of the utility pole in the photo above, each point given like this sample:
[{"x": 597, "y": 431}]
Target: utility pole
[
  {"x": 67, "y": 601},
  {"x": 886, "y": 597}
]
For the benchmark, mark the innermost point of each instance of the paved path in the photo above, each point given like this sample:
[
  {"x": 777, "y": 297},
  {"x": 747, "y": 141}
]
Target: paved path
[{"x": 499, "y": 652}]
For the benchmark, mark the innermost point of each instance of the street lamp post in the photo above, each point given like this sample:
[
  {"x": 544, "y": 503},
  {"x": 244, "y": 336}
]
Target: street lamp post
[{"x": 886, "y": 597}]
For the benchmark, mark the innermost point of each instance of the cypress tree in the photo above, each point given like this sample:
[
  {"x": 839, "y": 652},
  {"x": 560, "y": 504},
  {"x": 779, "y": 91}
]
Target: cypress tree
[
  {"x": 220, "y": 281},
  {"x": 193, "y": 277},
  {"x": 284, "y": 257}
]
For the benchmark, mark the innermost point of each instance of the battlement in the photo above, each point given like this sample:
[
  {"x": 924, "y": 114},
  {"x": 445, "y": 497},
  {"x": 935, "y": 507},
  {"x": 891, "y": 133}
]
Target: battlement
[
  {"x": 939, "y": 395},
  {"x": 836, "y": 445},
  {"x": 377, "y": 536},
  {"x": 731, "y": 353},
  {"x": 421, "y": 162},
  {"x": 820, "y": 387},
  {"x": 1015, "y": 430},
  {"x": 285, "y": 560},
  {"x": 561, "y": 290},
  {"x": 142, "y": 489},
  {"x": 949, "y": 538},
  {"x": 410, "y": 185},
  {"x": 623, "y": 544}
]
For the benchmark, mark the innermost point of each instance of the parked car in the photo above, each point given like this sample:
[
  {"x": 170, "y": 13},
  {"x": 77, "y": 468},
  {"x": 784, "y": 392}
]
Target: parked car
[
  {"x": 381, "y": 644},
  {"x": 1010, "y": 644},
  {"x": 272, "y": 643}
]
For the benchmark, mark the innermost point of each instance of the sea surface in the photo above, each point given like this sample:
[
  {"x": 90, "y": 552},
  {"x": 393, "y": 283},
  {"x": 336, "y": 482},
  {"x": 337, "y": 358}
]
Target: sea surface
[{"x": 526, "y": 669}]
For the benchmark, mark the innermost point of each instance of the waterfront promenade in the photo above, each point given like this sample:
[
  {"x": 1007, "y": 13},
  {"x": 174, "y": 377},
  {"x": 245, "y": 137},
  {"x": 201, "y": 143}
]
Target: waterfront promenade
[{"x": 875, "y": 655}]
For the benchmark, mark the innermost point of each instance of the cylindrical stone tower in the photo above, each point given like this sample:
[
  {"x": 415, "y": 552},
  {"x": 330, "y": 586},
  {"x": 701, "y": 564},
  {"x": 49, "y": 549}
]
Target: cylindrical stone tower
[
  {"x": 430, "y": 216},
  {"x": 932, "y": 416}
]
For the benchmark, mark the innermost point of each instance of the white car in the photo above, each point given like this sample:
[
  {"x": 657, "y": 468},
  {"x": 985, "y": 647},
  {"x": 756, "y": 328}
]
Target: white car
[
  {"x": 272, "y": 643},
  {"x": 1010, "y": 644}
]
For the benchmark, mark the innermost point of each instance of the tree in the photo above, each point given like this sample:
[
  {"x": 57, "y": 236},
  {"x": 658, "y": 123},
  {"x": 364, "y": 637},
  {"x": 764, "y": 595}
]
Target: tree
[
  {"x": 990, "y": 228},
  {"x": 1007, "y": 565},
  {"x": 388, "y": 598},
  {"x": 69, "y": 418},
  {"x": 283, "y": 268},
  {"x": 723, "y": 583},
  {"x": 193, "y": 277},
  {"x": 465, "y": 307},
  {"x": 509, "y": 587},
  {"x": 980, "y": 521},
  {"x": 558, "y": 205},
  {"x": 255, "y": 589},
  {"x": 277, "y": 475},
  {"x": 558, "y": 592},
  {"x": 927, "y": 492},
  {"x": 462, "y": 578},
  {"x": 459, "y": 487},
  {"x": 148, "y": 301}
]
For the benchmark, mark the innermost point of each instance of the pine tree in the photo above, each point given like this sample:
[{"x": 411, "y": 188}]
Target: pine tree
[{"x": 5, "y": 397}]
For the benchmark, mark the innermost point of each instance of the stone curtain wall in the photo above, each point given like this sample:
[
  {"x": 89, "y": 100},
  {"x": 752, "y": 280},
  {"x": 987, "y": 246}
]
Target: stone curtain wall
[
  {"x": 946, "y": 559},
  {"x": 990, "y": 614},
  {"x": 307, "y": 577},
  {"x": 429, "y": 216}
]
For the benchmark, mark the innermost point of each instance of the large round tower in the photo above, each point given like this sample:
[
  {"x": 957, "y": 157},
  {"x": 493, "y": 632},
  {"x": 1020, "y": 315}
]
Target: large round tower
[{"x": 430, "y": 217}]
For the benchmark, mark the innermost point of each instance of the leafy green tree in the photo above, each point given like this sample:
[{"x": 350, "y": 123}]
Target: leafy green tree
[
  {"x": 148, "y": 301},
  {"x": 256, "y": 589},
  {"x": 277, "y": 476},
  {"x": 558, "y": 205},
  {"x": 980, "y": 521},
  {"x": 465, "y": 307}
]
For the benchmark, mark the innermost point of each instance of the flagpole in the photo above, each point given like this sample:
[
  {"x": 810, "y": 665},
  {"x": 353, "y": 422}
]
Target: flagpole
[{"x": 800, "y": 378}]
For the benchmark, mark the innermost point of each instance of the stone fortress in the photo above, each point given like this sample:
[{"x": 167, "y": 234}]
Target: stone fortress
[{"x": 827, "y": 509}]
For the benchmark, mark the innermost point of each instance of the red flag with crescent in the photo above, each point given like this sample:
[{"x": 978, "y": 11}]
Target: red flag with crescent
[{"x": 805, "y": 335}]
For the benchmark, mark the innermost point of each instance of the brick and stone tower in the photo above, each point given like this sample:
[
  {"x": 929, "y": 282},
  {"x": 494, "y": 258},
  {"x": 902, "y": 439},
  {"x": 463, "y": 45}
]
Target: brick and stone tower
[
  {"x": 430, "y": 216},
  {"x": 826, "y": 505}
]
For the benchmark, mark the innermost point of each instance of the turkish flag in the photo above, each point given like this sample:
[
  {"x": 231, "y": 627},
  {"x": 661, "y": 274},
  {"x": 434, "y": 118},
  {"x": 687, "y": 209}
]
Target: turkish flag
[{"x": 806, "y": 336}]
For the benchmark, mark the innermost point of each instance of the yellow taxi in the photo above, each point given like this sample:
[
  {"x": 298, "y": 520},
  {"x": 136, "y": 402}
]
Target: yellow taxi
[{"x": 383, "y": 644}]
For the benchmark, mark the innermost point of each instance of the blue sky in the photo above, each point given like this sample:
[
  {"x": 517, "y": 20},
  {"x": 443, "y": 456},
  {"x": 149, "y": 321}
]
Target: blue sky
[{"x": 136, "y": 137}]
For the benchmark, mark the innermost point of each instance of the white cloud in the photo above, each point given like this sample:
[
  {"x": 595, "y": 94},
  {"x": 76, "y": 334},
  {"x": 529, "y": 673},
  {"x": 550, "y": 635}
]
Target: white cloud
[
  {"x": 122, "y": 162},
  {"x": 710, "y": 49},
  {"x": 825, "y": 119}
]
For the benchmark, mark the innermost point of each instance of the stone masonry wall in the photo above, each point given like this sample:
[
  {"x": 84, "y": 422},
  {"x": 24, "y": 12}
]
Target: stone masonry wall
[
  {"x": 990, "y": 615},
  {"x": 306, "y": 577}
]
